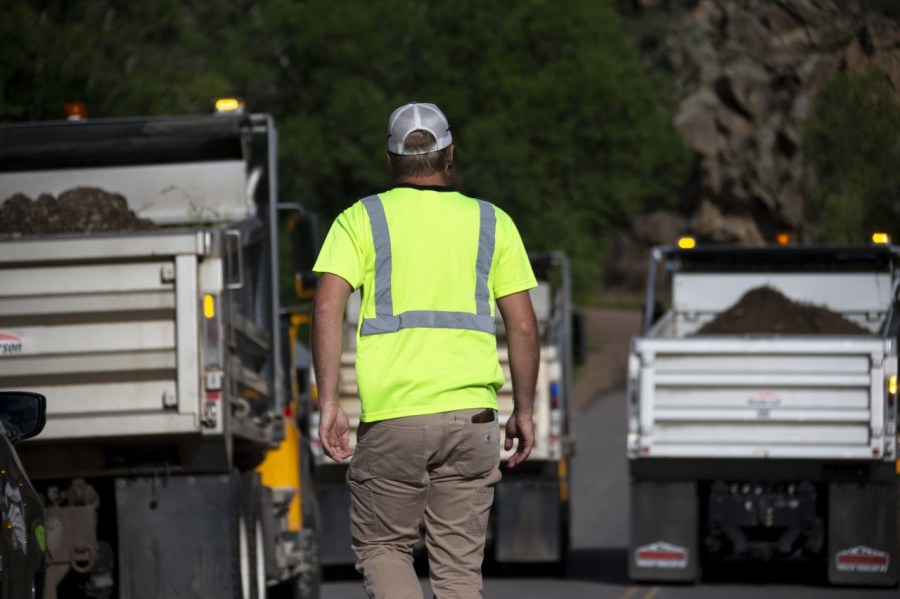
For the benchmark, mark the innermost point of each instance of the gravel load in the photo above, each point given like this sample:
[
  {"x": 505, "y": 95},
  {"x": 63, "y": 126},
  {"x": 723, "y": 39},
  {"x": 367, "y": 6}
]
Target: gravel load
[
  {"x": 82, "y": 210},
  {"x": 767, "y": 311}
]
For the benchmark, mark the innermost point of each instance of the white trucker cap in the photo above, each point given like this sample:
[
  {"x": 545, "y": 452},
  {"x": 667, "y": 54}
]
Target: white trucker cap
[{"x": 413, "y": 117}]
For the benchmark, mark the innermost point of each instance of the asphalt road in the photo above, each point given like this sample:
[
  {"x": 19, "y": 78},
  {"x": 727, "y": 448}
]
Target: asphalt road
[{"x": 596, "y": 566}]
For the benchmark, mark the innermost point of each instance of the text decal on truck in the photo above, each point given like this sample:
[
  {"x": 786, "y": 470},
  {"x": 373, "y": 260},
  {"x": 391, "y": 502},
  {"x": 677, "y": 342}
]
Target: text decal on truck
[
  {"x": 862, "y": 559},
  {"x": 661, "y": 555},
  {"x": 10, "y": 344}
]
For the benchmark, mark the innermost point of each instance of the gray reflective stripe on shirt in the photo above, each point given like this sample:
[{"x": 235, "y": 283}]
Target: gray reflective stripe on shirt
[
  {"x": 384, "y": 302},
  {"x": 429, "y": 319},
  {"x": 486, "y": 230},
  {"x": 386, "y": 322}
]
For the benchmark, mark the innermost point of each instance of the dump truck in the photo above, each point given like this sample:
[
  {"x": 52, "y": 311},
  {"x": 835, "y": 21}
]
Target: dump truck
[
  {"x": 529, "y": 521},
  {"x": 171, "y": 463},
  {"x": 763, "y": 433}
]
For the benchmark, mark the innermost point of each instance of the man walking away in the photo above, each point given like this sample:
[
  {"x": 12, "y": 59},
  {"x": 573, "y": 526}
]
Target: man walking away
[{"x": 433, "y": 265}]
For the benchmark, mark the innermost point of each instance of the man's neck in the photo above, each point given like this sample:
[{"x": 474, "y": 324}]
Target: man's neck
[{"x": 436, "y": 180}]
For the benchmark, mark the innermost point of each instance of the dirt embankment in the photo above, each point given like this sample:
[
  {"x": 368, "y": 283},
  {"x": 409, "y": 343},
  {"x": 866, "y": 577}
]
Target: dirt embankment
[
  {"x": 83, "y": 210},
  {"x": 608, "y": 333}
]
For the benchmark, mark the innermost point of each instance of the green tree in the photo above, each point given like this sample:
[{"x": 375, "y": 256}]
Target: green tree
[
  {"x": 554, "y": 117},
  {"x": 852, "y": 141},
  {"x": 120, "y": 58}
]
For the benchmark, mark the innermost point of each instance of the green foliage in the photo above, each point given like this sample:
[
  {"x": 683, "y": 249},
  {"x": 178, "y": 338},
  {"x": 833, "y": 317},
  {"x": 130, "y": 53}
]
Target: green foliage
[
  {"x": 120, "y": 58},
  {"x": 554, "y": 118},
  {"x": 853, "y": 143}
]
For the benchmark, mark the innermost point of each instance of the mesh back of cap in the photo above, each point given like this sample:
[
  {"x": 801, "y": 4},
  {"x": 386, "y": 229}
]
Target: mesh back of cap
[{"x": 412, "y": 117}]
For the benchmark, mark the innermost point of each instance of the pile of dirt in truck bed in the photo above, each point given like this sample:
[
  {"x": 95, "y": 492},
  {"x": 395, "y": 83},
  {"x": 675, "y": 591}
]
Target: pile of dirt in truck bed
[
  {"x": 766, "y": 311},
  {"x": 82, "y": 210}
]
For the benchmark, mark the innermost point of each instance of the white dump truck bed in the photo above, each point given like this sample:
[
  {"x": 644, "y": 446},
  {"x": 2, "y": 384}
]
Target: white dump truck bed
[
  {"x": 108, "y": 327},
  {"x": 696, "y": 395}
]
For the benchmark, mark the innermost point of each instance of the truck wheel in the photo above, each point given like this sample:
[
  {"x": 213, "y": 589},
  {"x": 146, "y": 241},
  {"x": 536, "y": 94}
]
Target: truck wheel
[
  {"x": 253, "y": 561},
  {"x": 259, "y": 563},
  {"x": 249, "y": 572},
  {"x": 242, "y": 572}
]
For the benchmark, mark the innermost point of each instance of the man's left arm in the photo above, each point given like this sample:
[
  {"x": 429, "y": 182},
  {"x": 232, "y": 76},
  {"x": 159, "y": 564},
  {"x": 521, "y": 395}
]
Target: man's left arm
[
  {"x": 524, "y": 358},
  {"x": 326, "y": 330}
]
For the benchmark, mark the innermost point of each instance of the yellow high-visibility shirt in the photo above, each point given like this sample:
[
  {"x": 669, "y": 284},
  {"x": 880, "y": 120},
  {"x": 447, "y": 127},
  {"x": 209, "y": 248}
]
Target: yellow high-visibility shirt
[{"x": 425, "y": 341}]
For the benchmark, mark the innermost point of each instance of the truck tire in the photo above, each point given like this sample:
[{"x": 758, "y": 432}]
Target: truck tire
[
  {"x": 249, "y": 573},
  {"x": 253, "y": 560},
  {"x": 242, "y": 558}
]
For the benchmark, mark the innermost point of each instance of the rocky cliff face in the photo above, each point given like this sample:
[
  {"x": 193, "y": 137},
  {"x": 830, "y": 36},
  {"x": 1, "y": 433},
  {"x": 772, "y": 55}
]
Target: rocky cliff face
[{"x": 744, "y": 74}]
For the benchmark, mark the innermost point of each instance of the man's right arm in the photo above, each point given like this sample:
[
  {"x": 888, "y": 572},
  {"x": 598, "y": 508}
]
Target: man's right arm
[
  {"x": 327, "y": 322},
  {"x": 524, "y": 355}
]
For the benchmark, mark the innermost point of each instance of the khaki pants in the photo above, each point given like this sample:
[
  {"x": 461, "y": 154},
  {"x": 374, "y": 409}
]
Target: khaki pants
[{"x": 439, "y": 469}]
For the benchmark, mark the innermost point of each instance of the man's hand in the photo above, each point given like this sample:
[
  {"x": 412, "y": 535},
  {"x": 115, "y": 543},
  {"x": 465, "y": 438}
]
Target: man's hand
[
  {"x": 334, "y": 431},
  {"x": 520, "y": 428}
]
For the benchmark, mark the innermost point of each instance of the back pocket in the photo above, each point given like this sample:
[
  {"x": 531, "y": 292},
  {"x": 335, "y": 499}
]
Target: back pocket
[
  {"x": 479, "y": 449},
  {"x": 395, "y": 453}
]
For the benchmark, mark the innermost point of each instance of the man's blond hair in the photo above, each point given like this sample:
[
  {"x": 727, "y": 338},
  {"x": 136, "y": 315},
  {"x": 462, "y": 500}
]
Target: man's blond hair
[{"x": 419, "y": 165}]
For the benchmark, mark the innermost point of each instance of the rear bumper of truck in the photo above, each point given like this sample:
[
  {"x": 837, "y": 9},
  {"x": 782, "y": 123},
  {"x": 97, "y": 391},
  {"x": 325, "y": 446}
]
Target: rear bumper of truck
[{"x": 689, "y": 514}]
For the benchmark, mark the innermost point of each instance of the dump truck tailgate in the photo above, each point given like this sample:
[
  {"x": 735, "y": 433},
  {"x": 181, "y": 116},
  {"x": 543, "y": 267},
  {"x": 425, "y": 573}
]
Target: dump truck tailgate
[
  {"x": 108, "y": 327},
  {"x": 820, "y": 397}
]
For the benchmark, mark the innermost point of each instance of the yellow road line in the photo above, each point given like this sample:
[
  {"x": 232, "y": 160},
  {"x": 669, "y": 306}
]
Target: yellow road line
[
  {"x": 629, "y": 592},
  {"x": 652, "y": 593}
]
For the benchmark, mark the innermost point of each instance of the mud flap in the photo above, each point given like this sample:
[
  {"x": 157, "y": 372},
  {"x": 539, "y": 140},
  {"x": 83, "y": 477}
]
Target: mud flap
[
  {"x": 528, "y": 521},
  {"x": 664, "y": 532},
  {"x": 862, "y": 533},
  {"x": 175, "y": 536}
]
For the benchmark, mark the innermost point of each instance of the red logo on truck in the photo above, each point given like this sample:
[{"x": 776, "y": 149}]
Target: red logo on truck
[
  {"x": 661, "y": 555},
  {"x": 862, "y": 559},
  {"x": 10, "y": 344}
]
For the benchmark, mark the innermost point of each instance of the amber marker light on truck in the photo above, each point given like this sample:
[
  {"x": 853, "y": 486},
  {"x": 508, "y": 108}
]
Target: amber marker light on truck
[
  {"x": 881, "y": 238},
  {"x": 209, "y": 306},
  {"x": 75, "y": 111},
  {"x": 892, "y": 395},
  {"x": 229, "y": 105},
  {"x": 212, "y": 349},
  {"x": 783, "y": 238},
  {"x": 687, "y": 243}
]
